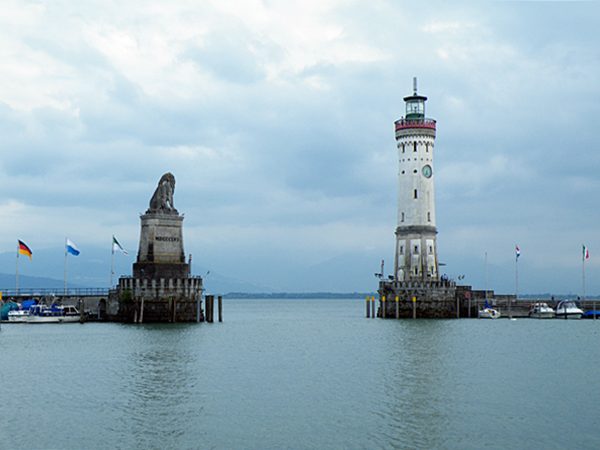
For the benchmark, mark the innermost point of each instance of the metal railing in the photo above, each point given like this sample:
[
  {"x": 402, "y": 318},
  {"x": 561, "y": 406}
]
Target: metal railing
[
  {"x": 403, "y": 124},
  {"x": 45, "y": 292}
]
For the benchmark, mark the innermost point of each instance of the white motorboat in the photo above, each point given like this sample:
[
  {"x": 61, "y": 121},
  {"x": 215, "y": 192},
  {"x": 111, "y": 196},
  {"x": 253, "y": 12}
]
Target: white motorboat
[
  {"x": 541, "y": 310},
  {"x": 568, "y": 309},
  {"x": 18, "y": 316},
  {"x": 488, "y": 313},
  {"x": 53, "y": 314}
]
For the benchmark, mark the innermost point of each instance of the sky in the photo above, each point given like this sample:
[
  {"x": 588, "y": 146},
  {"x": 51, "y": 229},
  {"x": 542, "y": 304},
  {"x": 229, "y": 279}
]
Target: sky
[{"x": 276, "y": 119}]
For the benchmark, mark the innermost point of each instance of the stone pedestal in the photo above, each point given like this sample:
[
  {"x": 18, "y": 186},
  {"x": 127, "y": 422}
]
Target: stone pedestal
[{"x": 160, "y": 253}]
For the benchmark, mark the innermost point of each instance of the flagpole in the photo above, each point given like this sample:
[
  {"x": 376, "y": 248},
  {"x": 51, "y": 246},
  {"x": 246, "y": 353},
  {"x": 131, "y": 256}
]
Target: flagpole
[
  {"x": 17, "y": 272},
  {"x": 583, "y": 274},
  {"x": 516, "y": 285},
  {"x": 112, "y": 262},
  {"x": 486, "y": 277},
  {"x": 65, "y": 266}
]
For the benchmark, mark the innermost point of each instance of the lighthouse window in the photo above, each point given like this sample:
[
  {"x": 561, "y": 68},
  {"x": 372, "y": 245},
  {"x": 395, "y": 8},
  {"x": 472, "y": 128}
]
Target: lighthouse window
[
  {"x": 415, "y": 146},
  {"x": 402, "y": 249},
  {"x": 402, "y": 148},
  {"x": 428, "y": 217},
  {"x": 427, "y": 147},
  {"x": 415, "y": 193},
  {"x": 403, "y": 172},
  {"x": 416, "y": 249},
  {"x": 416, "y": 271},
  {"x": 402, "y": 218},
  {"x": 430, "y": 249},
  {"x": 415, "y": 171}
]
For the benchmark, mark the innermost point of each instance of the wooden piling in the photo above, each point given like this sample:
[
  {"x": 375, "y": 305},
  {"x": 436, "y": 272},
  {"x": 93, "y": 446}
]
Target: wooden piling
[
  {"x": 174, "y": 316},
  {"x": 373, "y": 307},
  {"x": 368, "y": 308},
  {"x": 457, "y": 307},
  {"x": 81, "y": 318},
  {"x": 142, "y": 311},
  {"x": 220, "y": 299},
  {"x": 397, "y": 307},
  {"x": 210, "y": 308},
  {"x": 383, "y": 313},
  {"x": 198, "y": 301},
  {"x": 207, "y": 312},
  {"x": 414, "y": 302}
]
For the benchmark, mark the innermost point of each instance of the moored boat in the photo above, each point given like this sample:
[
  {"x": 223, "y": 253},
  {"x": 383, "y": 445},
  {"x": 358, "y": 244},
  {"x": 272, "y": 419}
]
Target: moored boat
[
  {"x": 568, "y": 309},
  {"x": 18, "y": 316},
  {"x": 53, "y": 314},
  {"x": 488, "y": 313},
  {"x": 541, "y": 310}
]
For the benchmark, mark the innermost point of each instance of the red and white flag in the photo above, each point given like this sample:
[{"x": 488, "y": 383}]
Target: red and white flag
[{"x": 586, "y": 253}]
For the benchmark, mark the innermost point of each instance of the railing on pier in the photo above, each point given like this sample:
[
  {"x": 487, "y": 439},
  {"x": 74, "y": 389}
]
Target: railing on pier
[{"x": 48, "y": 292}]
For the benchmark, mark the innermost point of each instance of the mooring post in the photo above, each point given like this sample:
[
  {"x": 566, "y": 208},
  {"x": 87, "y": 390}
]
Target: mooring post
[
  {"x": 414, "y": 302},
  {"x": 383, "y": 314},
  {"x": 372, "y": 307},
  {"x": 469, "y": 314},
  {"x": 458, "y": 307},
  {"x": 198, "y": 300},
  {"x": 81, "y": 319},
  {"x": 207, "y": 312},
  {"x": 397, "y": 307},
  {"x": 212, "y": 308},
  {"x": 368, "y": 307},
  {"x": 142, "y": 311},
  {"x": 220, "y": 300},
  {"x": 174, "y": 318}
]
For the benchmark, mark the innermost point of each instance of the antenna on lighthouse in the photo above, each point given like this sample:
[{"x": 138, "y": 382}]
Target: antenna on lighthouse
[{"x": 415, "y": 85}]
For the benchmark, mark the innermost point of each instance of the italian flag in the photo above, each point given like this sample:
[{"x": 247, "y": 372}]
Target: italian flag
[{"x": 586, "y": 253}]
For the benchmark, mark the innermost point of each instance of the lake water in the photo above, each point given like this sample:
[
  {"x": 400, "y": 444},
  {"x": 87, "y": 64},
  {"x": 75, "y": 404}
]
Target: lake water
[{"x": 302, "y": 374}]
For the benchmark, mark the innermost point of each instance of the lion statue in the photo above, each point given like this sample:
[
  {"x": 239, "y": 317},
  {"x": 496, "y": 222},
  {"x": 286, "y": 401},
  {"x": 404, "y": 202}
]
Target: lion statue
[{"x": 162, "y": 200}]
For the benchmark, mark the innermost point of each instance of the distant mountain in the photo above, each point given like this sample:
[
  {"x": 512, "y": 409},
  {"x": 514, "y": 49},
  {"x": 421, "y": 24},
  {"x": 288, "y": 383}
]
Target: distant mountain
[
  {"x": 216, "y": 284},
  {"x": 91, "y": 269},
  {"x": 7, "y": 282}
]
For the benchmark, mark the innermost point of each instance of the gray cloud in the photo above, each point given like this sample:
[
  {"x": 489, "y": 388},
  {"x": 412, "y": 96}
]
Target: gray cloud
[{"x": 279, "y": 128}]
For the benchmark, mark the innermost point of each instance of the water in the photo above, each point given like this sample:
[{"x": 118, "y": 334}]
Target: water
[{"x": 301, "y": 374}]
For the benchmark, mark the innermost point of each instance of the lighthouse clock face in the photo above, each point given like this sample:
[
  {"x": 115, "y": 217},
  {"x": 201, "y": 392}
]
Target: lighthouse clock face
[{"x": 427, "y": 171}]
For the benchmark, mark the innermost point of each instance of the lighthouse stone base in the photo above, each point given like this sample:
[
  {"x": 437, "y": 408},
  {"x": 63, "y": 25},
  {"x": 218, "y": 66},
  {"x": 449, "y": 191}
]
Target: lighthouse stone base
[{"x": 433, "y": 299}]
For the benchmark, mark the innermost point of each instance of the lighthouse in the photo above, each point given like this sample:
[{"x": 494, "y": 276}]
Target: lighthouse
[
  {"x": 416, "y": 289},
  {"x": 416, "y": 250}
]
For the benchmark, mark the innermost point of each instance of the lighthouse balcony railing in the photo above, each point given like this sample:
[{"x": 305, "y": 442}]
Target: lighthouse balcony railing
[
  {"x": 403, "y": 124},
  {"x": 420, "y": 284}
]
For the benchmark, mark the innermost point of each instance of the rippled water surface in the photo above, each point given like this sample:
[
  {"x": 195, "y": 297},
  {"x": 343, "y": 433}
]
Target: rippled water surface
[{"x": 301, "y": 374}]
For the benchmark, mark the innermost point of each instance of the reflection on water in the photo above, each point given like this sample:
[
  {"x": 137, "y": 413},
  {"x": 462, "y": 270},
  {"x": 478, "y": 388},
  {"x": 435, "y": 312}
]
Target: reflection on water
[
  {"x": 300, "y": 374},
  {"x": 161, "y": 384},
  {"x": 413, "y": 407}
]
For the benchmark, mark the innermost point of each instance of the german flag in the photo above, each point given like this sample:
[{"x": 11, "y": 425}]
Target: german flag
[{"x": 24, "y": 250}]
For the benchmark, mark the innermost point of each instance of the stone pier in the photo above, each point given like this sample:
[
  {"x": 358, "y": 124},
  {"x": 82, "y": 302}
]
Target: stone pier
[{"x": 161, "y": 288}]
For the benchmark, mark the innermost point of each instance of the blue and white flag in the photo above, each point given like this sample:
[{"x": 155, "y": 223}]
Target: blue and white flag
[{"x": 72, "y": 248}]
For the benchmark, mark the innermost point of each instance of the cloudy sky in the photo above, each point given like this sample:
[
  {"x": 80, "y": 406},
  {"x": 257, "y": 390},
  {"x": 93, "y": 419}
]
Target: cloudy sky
[{"x": 276, "y": 119}]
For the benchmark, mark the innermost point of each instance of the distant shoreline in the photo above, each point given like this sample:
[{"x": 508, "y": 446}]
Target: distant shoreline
[
  {"x": 298, "y": 295},
  {"x": 362, "y": 295}
]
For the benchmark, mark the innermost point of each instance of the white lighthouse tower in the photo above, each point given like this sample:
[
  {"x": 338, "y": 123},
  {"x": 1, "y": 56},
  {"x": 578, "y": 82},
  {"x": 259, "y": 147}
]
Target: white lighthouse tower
[{"x": 416, "y": 251}]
